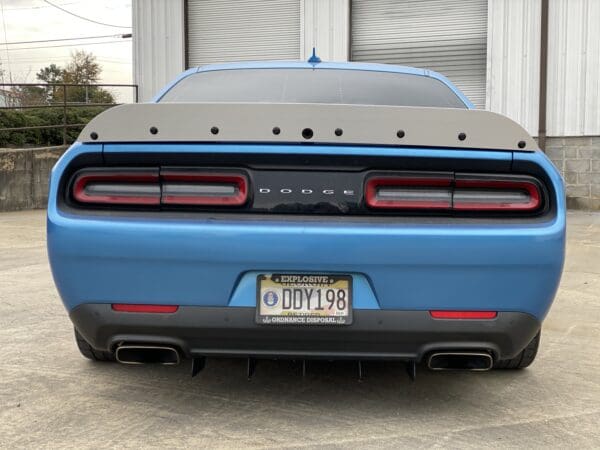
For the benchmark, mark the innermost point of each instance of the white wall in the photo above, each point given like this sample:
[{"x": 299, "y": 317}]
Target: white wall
[
  {"x": 158, "y": 41},
  {"x": 325, "y": 24},
  {"x": 513, "y": 60},
  {"x": 512, "y": 57},
  {"x": 574, "y": 68}
]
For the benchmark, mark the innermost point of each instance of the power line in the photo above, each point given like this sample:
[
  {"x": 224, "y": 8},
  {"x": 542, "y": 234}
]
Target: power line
[
  {"x": 36, "y": 7},
  {"x": 83, "y": 18},
  {"x": 6, "y": 39},
  {"x": 66, "y": 39},
  {"x": 64, "y": 45}
]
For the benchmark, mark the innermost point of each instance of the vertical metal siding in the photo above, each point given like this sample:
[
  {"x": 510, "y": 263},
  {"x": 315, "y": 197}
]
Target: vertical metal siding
[
  {"x": 447, "y": 36},
  {"x": 574, "y": 68},
  {"x": 513, "y": 68},
  {"x": 242, "y": 30},
  {"x": 325, "y": 25},
  {"x": 158, "y": 41}
]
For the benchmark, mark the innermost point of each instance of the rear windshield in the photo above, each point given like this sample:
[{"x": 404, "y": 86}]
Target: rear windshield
[{"x": 357, "y": 87}]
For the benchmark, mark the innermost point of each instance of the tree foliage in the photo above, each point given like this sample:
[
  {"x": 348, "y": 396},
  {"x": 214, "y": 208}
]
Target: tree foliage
[{"x": 82, "y": 69}]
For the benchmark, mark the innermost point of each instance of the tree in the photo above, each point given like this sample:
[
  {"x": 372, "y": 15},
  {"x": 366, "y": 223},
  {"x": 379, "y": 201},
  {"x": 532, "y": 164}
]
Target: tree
[
  {"x": 51, "y": 74},
  {"x": 82, "y": 69}
]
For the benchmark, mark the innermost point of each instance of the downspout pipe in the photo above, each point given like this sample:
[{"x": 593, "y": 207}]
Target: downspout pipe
[{"x": 543, "y": 76}]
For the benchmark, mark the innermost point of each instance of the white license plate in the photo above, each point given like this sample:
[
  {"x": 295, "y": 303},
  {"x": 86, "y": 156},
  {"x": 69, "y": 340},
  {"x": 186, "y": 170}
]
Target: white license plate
[{"x": 303, "y": 299}]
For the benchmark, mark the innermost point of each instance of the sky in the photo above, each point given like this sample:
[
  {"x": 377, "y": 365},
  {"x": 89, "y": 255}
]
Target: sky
[{"x": 34, "y": 20}]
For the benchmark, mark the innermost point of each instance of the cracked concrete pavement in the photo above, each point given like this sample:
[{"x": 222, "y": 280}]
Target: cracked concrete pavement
[{"x": 51, "y": 397}]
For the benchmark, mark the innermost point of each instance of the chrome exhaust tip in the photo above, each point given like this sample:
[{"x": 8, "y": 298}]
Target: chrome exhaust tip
[
  {"x": 474, "y": 361},
  {"x": 147, "y": 354}
]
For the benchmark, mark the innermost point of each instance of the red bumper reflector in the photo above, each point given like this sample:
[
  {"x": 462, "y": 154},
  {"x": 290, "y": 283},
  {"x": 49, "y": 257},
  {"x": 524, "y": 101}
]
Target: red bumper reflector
[
  {"x": 463, "y": 314},
  {"x": 124, "y": 307}
]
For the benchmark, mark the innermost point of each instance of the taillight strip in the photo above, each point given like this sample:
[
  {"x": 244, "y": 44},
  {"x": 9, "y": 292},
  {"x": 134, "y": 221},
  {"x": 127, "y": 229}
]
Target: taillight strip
[
  {"x": 530, "y": 187},
  {"x": 146, "y": 187},
  {"x": 148, "y": 194},
  {"x": 434, "y": 193},
  {"x": 449, "y": 193},
  {"x": 218, "y": 181}
]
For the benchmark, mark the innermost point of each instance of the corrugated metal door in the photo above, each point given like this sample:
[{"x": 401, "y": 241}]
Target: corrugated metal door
[
  {"x": 448, "y": 36},
  {"x": 242, "y": 30}
]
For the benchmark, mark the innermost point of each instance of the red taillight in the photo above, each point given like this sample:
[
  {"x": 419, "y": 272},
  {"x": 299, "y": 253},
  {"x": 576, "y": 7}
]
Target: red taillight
[
  {"x": 172, "y": 187},
  {"x": 495, "y": 195},
  {"x": 118, "y": 187},
  {"x": 473, "y": 315},
  {"x": 409, "y": 192},
  {"x": 204, "y": 188},
  {"x": 161, "y": 309},
  {"x": 452, "y": 193}
]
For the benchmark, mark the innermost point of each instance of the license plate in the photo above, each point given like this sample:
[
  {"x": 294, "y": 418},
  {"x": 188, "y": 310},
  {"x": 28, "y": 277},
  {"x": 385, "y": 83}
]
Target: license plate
[{"x": 301, "y": 299}]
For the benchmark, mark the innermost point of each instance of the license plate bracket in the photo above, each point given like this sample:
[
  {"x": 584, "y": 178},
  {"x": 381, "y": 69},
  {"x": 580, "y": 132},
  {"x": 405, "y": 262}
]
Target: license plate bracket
[{"x": 303, "y": 299}]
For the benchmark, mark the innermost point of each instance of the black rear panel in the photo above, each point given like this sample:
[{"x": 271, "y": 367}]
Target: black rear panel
[{"x": 310, "y": 185}]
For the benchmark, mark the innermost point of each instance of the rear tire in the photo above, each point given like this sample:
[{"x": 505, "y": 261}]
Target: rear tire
[
  {"x": 91, "y": 353},
  {"x": 523, "y": 359}
]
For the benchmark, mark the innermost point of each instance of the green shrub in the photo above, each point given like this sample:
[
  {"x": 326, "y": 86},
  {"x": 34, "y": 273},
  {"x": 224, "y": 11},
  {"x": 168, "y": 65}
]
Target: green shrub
[{"x": 14, "y": 118}]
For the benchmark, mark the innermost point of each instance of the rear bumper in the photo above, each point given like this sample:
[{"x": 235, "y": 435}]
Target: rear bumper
[{"x": 374, "y": 334}]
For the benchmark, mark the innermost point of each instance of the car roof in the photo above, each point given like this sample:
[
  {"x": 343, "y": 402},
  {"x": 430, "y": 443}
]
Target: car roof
[{"x": 362, "y": 66}]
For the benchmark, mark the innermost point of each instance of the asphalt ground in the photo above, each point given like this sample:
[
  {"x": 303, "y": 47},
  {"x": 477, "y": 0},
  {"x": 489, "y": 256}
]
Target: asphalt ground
[{"x": 51, "y": 397}]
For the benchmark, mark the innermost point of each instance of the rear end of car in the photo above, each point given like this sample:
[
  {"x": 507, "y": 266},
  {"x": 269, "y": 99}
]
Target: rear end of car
[{"x": 320, "y": 231}]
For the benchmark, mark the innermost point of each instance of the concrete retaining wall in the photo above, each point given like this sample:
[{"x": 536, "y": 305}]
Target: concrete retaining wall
[
  {"x": 578, "y": 159},
  {"x": 24, "y": 175}
]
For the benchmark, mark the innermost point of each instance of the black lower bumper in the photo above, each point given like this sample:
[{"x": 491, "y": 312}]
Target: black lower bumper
[{"x": 374, "y": 334}]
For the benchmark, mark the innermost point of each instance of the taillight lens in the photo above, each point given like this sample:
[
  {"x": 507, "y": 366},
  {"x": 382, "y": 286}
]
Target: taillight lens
[
  {"x": 140, "y": 187},
  {"x": 452, "y": 193},
  {"x": 204, "y": 188},
  {"x": 143, "y": 187},
  {"x": 408, "y": 192},
  {"x": 496, "y": 195}
]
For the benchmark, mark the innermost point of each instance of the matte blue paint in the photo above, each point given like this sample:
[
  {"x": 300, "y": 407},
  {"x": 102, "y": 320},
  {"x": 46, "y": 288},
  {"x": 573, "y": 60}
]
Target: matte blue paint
[
  {"x": 245, "y": 292},
  {"x": 412, "y": 266},
  {"x": 371, "y": 67}
]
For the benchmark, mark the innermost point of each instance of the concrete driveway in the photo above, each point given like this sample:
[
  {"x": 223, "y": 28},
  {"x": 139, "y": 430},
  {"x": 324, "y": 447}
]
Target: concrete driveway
[{"x": 50, "y": 397}]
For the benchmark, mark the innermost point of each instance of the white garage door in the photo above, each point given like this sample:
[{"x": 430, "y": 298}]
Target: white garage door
[
  {"x": 242, "y": 30},
  {"x": 448, "y": 36}
]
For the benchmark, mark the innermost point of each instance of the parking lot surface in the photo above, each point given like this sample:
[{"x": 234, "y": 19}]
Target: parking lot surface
[{"x": 51, "y": 397}]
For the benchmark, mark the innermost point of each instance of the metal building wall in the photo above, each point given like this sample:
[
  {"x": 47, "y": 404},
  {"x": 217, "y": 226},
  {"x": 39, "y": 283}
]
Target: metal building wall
[
  {"x": 158, "y": 43},
  {"x": 242, "y": 30},
  {"x": 574, "y": 68},
  {"x": 325, "y": 25},
  {"x": 513, "y": 60},
  {"x": 447, "y": 36}
]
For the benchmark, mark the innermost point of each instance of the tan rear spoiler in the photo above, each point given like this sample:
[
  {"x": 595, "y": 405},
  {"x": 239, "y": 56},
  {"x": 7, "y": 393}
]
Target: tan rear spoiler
[{"x": 301, "y": 123}]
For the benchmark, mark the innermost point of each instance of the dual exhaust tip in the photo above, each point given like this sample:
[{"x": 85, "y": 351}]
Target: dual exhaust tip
[
  {"x": 474, "y": 361},
  {"x": 147, "y": 354}
]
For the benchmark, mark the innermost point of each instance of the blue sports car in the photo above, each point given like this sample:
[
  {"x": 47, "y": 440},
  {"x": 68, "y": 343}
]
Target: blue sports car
[{"x": 307, "y": 210}]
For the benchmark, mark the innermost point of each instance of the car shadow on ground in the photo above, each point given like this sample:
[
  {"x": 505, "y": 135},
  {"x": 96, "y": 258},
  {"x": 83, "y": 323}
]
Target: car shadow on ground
[{"x": 327, "y": 388}]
